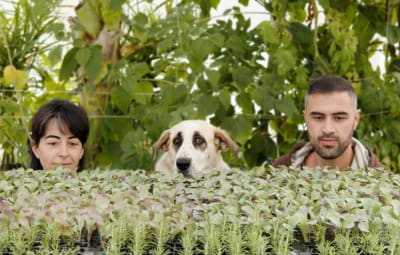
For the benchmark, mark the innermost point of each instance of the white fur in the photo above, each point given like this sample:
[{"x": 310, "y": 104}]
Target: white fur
[{"x": 203, "y": 158}]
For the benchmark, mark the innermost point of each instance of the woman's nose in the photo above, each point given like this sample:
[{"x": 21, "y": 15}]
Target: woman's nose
[{"x": 64, "y": 149}]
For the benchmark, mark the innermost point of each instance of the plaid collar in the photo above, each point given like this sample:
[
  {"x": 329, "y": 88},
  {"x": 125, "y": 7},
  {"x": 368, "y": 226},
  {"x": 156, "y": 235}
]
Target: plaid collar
[{"x": 360, "y": 160}]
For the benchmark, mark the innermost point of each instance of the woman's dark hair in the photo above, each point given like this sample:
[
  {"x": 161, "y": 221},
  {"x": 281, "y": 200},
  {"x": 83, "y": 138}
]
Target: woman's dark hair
[{"x": 68, "y": 117}]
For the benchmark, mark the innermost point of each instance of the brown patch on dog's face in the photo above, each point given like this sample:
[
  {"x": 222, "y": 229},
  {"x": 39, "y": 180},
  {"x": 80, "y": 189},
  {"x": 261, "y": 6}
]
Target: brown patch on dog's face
[
  {"x": 177, "y": 141},
  {"x": 199, "y": 142}
]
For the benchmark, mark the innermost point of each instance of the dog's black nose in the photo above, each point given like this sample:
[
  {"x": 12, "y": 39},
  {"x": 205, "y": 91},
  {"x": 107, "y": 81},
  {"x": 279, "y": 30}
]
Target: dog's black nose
[{"x": 183, "y": 164}]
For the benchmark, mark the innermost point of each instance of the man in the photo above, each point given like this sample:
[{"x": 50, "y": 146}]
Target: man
[{"x": 331, "y": 116}]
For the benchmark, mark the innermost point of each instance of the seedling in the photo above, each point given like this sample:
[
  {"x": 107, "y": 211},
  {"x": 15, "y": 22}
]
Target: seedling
[{"x": 189, "y": 239}]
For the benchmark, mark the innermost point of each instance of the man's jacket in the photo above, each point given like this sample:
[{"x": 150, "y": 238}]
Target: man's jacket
[{"x": 289, "y": 159}]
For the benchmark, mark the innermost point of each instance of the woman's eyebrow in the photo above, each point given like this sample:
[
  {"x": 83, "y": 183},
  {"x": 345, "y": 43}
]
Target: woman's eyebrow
[
  {"x": 57, "y": 137},
  {"x": 52, "y": 136}
]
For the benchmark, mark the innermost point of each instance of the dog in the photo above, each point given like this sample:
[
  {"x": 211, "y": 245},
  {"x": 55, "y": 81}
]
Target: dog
[{"x": 193, "y": 148}]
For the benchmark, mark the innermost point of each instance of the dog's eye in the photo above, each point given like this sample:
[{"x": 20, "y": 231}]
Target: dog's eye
[
  {"x": 198, "y": 140},
  {"x": 177, "y": 141}
]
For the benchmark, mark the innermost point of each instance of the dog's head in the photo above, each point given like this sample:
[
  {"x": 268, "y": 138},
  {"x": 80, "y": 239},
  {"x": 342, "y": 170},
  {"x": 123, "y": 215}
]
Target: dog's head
[{"x": 193, "y": 147}]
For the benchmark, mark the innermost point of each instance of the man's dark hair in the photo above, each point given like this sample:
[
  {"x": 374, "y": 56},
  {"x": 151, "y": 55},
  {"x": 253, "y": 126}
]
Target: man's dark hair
[{"x": 326, "y": 84}]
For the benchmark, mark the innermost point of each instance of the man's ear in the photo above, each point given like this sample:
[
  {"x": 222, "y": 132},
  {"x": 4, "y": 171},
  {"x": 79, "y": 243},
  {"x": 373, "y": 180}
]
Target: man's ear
[
  {"x": 305, "y": 117},
  {"x": 357, "y": 119},
  {"x": 162, "y": 143}
]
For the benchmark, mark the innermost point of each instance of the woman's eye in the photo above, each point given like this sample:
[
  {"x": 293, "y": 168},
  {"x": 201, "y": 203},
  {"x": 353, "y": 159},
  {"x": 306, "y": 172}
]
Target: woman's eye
[{"x": 74, "y": 142}]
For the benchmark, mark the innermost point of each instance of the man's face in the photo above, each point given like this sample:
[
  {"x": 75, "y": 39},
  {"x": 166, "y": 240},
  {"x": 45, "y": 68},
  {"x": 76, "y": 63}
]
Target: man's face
[{"x": 331, "y": 119}]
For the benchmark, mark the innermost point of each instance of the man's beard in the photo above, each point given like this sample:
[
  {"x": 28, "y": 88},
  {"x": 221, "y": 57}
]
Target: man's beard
[{"x": 329, "y": 153}]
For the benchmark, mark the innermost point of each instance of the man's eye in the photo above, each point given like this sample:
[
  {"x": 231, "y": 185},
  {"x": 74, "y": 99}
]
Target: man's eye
[
  {"x": 74, "y": 144},
  {"x": 52, "y": 143},
  {"x": 340, "y": 117},
  {"x": 317, "y": 117}
]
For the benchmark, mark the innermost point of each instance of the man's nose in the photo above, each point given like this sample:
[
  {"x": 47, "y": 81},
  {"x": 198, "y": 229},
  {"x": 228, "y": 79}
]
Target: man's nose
[{"x": 328, "y": 126}]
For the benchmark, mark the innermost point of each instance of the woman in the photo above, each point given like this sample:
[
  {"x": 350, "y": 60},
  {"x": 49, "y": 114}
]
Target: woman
[{"x": 58, "y": 134}]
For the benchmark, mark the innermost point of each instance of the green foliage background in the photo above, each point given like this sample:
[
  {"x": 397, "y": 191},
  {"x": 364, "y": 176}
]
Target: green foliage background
[{"x": 174, "y": 61}]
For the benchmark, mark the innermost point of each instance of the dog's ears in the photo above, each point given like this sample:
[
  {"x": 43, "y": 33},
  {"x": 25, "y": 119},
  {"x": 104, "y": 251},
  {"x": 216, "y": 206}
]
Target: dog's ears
[
  {"x": 223, "y": 141},
  {"x": 162, "y": 143}
]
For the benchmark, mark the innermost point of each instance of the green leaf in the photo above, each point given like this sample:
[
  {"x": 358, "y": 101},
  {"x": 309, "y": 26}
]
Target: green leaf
[
  {"x": 141, "y": 19},
  {"x": 387, "y": 215},
  {"x": 396, "y": 207},
  {"x": 239, "y": 127},
  {"x": 205, "y": 7},
  {"x": 142, "y": 92},
  {"x": 243, "y": 76},
  {"x": 68, "y": 65},
  {"x": 55, "y": 55},
  {"x": 207, "y": 105},
  {"x": 369, "y": 91},
  {"x": 301, "y": 34},
  {"x": 119, "y": 98},
  {"x": 287, "y": 106},
  {"x": 88, "y": 17},
  {"x": 217, "y": 39},
  {"x": 393, "y": 34},
  {"x": 236, "y": 44},
  {"x": 245, "y": 102},
  {"x": 225, "y": 99},
  {"x": 262, "y": 98},
  {"x": 111, "y": 154},
  {"x": 5, "y": 186},
  {"x": 200, "y": 49},
  {"x": 259, "y": 148},
  {"x": 139, "y": 70},
  {"x": 111, "y": 13},
  {"x": 204, "y": 85},
  {"x": 299, "y": 217},
  {"x": 83, "y": 55},
  {"x": 174, "y": 95},
  {"x": 333, "y": 217},
  {"x": 285, "y": 60},
  {"x": 363, "y": 226},
  {"x": 13, "y": 76},
  {"x": 297, "y": 10},
  {"x": 269, "y": 33},
  {"x": 132, "y": 139},
  {"x": 214, "y": 3},
  {"x": 213, "y": 76},
  {"x": 324, "y": 3},
  {"x": 94, "y": 64},
  {"x": 349, "y": 220}
]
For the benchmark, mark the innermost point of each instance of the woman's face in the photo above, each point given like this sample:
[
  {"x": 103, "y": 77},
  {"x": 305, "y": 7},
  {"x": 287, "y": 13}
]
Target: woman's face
[{"x": 56, "y": 148}]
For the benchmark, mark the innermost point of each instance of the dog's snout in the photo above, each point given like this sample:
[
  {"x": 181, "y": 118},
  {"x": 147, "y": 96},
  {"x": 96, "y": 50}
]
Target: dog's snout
[{"x": 183, "y": 164}]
